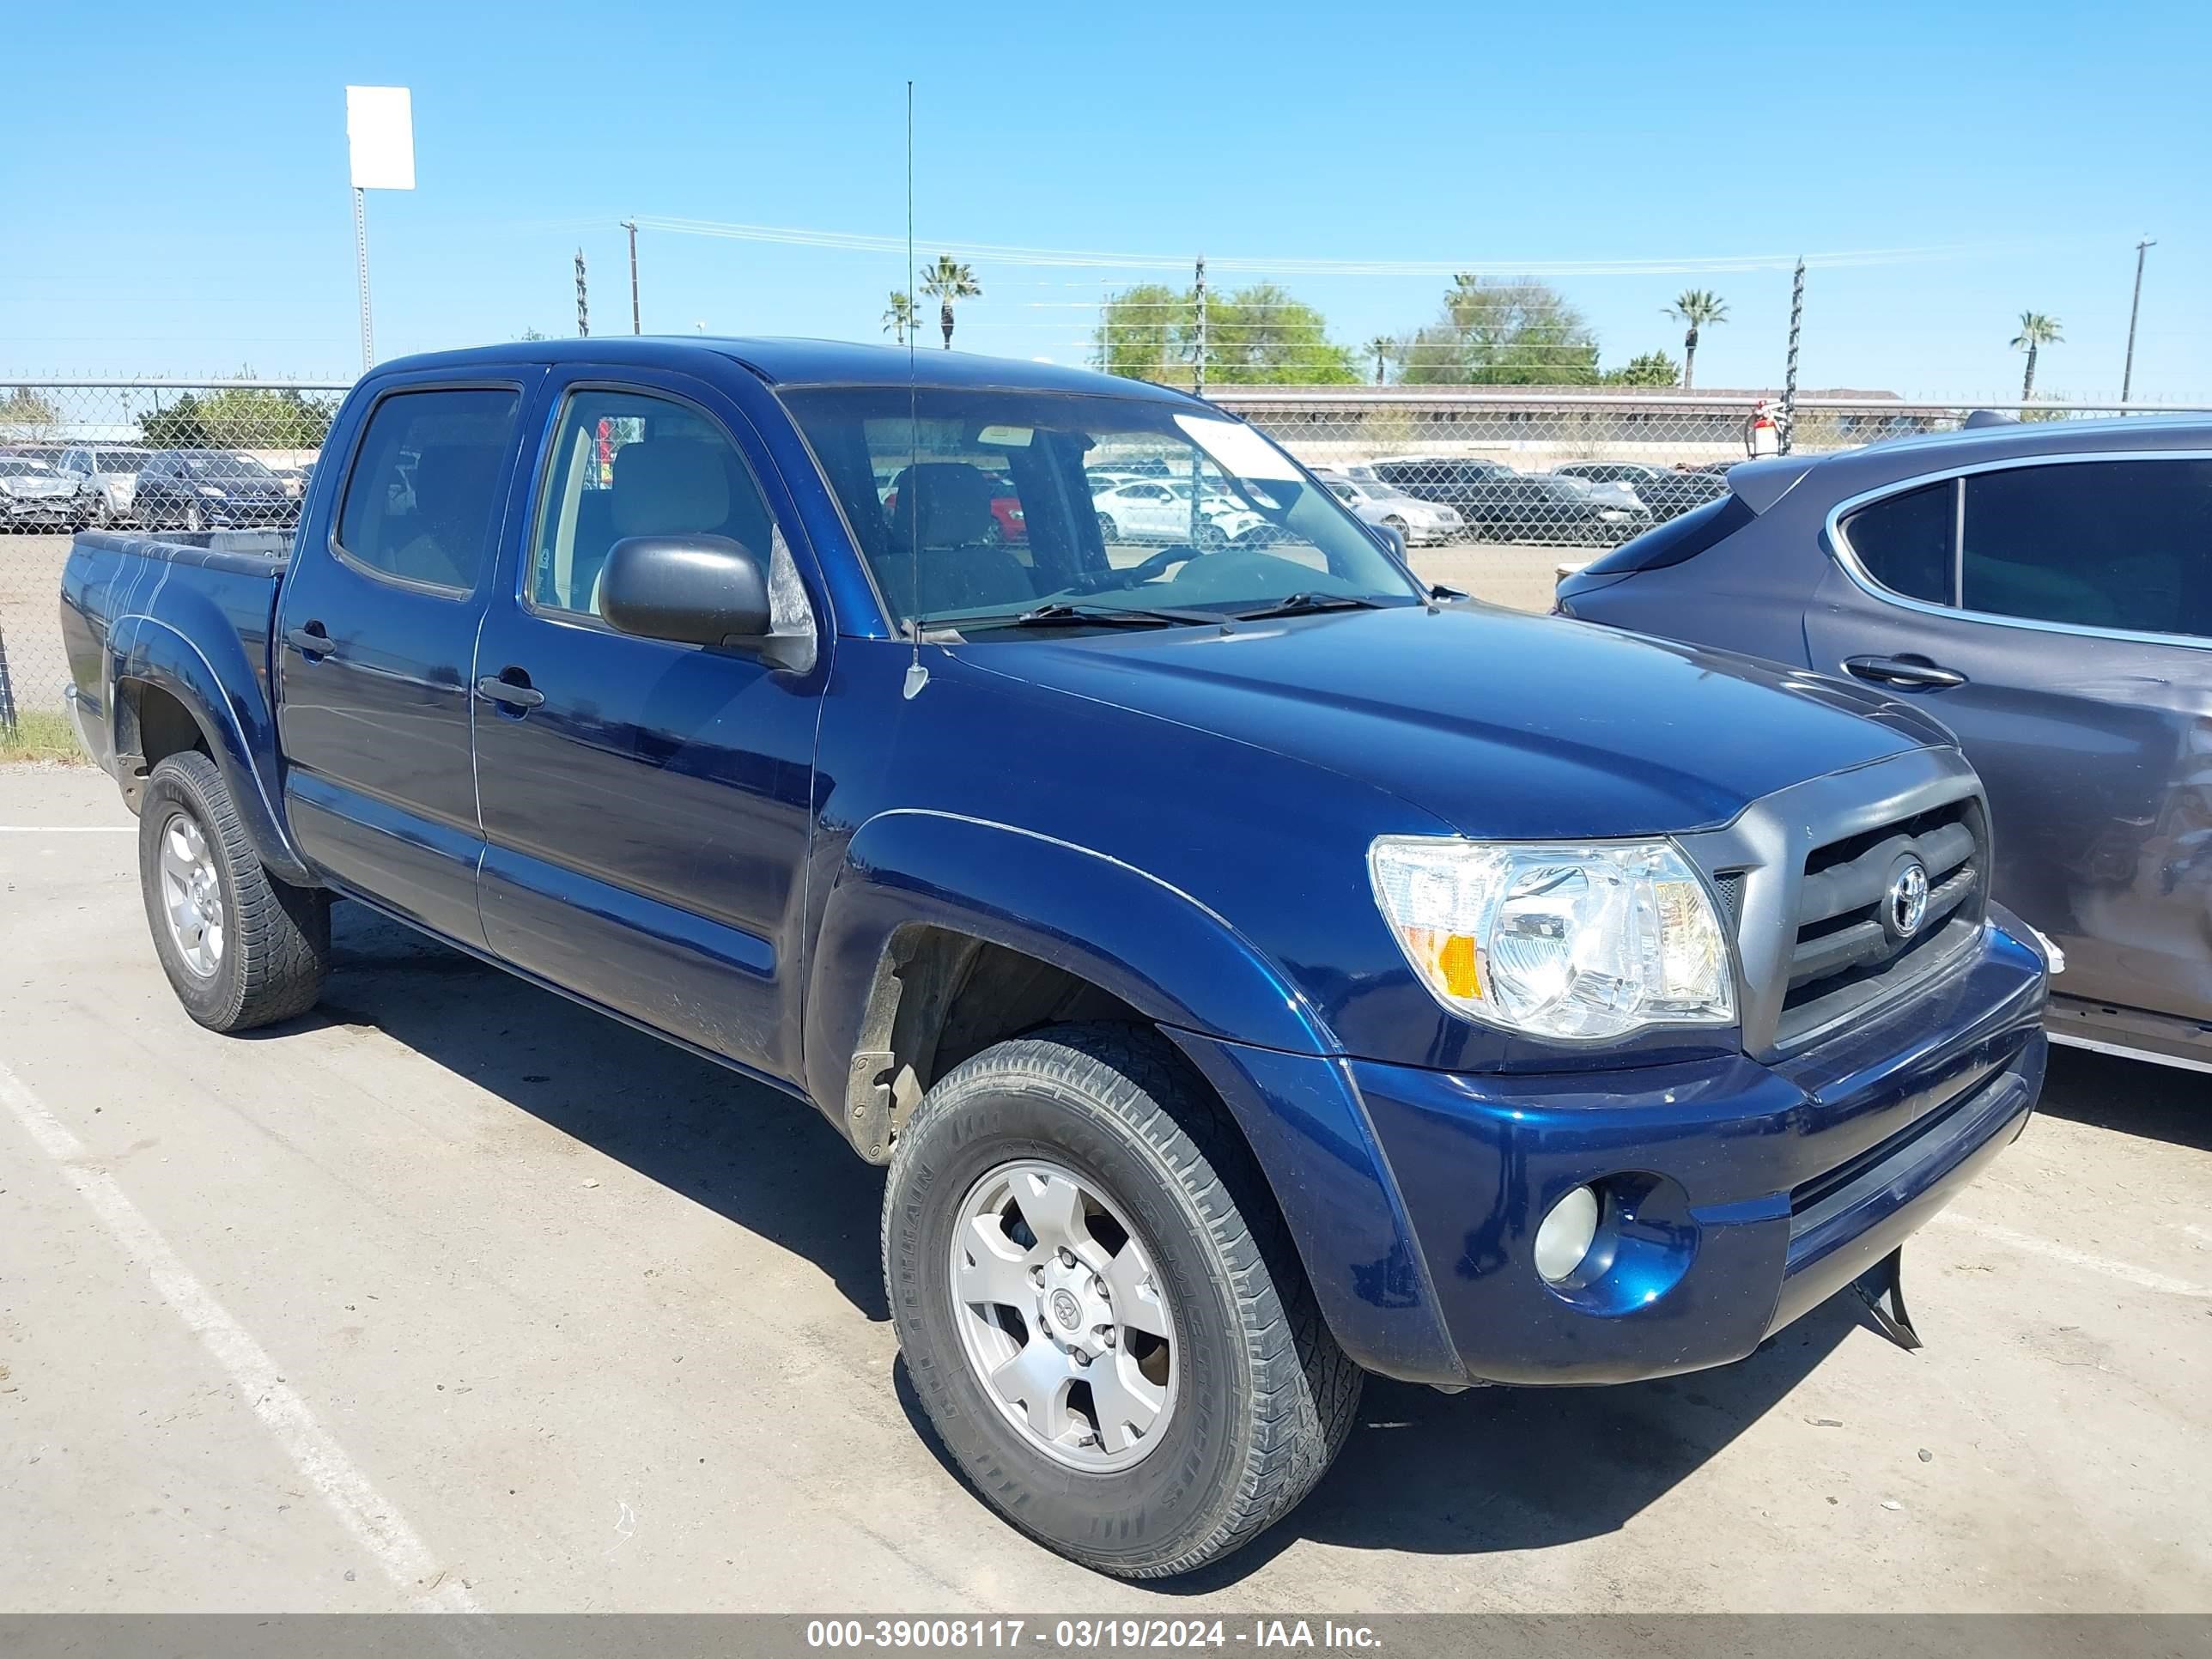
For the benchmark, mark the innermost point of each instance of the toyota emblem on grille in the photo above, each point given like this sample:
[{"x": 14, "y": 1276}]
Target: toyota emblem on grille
[{"x": 1905, "y": 907}]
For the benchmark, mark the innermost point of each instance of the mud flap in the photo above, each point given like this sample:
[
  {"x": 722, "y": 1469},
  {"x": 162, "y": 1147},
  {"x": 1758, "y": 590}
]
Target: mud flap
[{"x": 1884, "y": 1282}]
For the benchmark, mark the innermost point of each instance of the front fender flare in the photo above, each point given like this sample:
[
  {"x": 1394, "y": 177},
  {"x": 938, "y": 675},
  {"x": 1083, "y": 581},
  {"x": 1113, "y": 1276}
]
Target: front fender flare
[
  {"x": 1148, "y": 942},
  {"x": 236, "y": 721}
]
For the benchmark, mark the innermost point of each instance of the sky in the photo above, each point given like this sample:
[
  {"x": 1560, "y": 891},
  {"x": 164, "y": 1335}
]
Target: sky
[{"x": 173, "y": 195}]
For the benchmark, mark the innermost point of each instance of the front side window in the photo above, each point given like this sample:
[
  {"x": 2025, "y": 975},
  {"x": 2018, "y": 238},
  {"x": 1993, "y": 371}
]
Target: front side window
[
  {"x": 981, "y": 505},
  {"x": 626, "y": 464},
  {"x": 2121, "y": 544},
  {"x": 422, "y": 501},
  {"x": 1906, "y": 542}
]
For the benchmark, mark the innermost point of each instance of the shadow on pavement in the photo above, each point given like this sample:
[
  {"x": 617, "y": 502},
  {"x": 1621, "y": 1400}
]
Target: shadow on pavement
[
  {"x": 2160, "y": 1102},
  {"x": 1487, "y": 1470},
  {"x": 764, "y": 1159}
]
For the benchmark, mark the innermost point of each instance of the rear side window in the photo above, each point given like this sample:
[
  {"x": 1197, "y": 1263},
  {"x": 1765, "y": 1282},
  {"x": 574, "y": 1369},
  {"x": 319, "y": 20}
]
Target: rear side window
[
  {"x": 1677, "y": 541},
  {"x": 422, "y": 500},
  {"x": 1906, "y": 543},
  {"x": 2123, "y": 544}
]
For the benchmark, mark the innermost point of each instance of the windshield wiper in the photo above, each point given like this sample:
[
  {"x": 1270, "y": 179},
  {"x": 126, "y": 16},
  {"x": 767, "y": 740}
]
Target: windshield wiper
[
  {"x": 1299, "y": 604},
  {"x": 1060, "y": 613}
]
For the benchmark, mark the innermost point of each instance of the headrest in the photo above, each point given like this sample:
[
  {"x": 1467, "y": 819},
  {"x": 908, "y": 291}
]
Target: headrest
[
  {"x": 670, "y": 487},
  {"x": 950, "y": 499}
]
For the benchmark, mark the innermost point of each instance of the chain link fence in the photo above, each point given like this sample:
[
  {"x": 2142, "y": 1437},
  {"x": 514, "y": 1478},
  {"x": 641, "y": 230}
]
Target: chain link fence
[{"x": 1466, "y": 474}]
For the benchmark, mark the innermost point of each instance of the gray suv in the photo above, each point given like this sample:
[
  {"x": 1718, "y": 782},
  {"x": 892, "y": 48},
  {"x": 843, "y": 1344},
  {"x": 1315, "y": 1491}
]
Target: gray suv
[{"x": 2045, "y": 591}]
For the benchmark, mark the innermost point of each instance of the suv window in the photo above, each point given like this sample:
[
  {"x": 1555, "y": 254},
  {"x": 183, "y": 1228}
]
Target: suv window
[
  {"x": 1905, "y": 542},
  {"x": 423, "y": 494},
  {"x": 2124, "y": 544},
  {"x": 625, "y": 464}
]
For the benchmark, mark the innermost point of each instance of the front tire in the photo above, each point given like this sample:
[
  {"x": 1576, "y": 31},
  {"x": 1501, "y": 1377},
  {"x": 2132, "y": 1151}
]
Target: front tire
[
  {"x": 1100, "y": 1306},
  {"x": 242, "y": 948}
]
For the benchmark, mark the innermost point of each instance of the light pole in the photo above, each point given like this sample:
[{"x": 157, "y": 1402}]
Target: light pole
[
  {"x": 2128, "y": 373},
  {"x": 380, "y": 156}
]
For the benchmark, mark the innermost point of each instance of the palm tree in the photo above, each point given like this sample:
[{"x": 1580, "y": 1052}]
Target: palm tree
[
  {"x": 2036, "y": 331},
  {"x": 949, "y": 280},
  {"x": 898, "y": 316},
  {"x": 1700, "y": 307},
  {"x": 1382, "y": 349}
]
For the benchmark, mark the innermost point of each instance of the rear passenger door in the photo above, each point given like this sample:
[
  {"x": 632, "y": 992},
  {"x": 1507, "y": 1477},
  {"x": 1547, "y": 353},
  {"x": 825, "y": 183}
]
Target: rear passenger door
[
  {"x": 2059, "y": 618},
  {"x": 376, "y": 647},
  {"x": 646, "y": 806}
]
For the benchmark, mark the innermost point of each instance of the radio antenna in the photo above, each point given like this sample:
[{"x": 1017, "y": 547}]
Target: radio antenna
[{"x": 916, "y": 675}]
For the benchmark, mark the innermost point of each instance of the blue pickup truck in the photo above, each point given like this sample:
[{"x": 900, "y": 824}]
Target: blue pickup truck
[{"x": 1255, "y": 968}]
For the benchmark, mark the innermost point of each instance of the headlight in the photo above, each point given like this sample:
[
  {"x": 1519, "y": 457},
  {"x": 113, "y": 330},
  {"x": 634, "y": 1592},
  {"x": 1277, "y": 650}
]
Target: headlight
[{"x": 1572, "y": 942}]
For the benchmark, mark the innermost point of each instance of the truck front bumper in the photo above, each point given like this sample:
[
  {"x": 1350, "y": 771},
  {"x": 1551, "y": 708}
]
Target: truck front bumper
[{"x": 1736, "y": 1195}]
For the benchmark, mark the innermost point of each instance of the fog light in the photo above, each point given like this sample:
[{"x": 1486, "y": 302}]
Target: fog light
[{"x": 1563, "y": 1239}]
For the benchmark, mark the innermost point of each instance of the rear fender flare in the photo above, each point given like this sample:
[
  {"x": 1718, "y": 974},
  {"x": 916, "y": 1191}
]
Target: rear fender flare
[{"x": 237, "y": 725}]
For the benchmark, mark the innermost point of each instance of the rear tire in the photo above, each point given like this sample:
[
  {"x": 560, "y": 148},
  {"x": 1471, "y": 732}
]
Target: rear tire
[
  {"x": 242, "y": 948},
  {"x": 1254, "y": 1399}
]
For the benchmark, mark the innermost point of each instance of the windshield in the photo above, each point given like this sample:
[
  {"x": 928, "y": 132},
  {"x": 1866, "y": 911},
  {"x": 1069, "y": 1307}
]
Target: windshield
[
  {"x": 225, "y": 466},
  {"x": 998, "y": 502}
]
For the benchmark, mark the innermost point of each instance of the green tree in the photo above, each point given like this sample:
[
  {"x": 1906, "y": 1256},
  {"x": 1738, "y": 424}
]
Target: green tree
[
  {"x": 1649, "y": 369},
  {"x": 2036, "y": 332},
  {"x": 898, "y": 316},
  {"x": 946, "y": 281},
  {"x": 1697, "y": 308},
  {"x": 240, "y": 417},
  {"x": 1255, "y": 335},
  {"x": 26, "y": 414},
  {"x": 1501, "y": 331},
  {"x": 531, "y": 335},
  {"x": 1382, "y": 349}
]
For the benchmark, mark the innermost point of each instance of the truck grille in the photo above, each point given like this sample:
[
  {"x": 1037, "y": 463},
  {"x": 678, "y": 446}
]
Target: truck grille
[{"x": 1851, "y": 951}]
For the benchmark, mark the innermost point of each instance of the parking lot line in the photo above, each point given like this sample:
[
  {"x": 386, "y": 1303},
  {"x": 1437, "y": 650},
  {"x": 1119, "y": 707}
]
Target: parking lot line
[
  {"x": 2028, "y": 1244},
  {"x": 380, "y": 1527}
]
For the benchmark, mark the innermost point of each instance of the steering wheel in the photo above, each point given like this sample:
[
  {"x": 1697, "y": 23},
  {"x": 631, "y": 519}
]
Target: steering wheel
[{"x": 1111, "y": 582}]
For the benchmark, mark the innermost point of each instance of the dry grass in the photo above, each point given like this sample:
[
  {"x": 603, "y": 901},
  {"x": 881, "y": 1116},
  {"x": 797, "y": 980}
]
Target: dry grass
[{"x": 41, "y": 735}]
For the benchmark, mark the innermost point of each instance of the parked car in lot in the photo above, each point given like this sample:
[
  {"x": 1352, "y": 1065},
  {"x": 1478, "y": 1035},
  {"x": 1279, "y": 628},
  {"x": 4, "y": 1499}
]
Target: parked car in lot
[
  {"x": 1253, "y": 971},
  {"x": 1504, "y": 505},
  {"x": 210, "y": 489},
  {"x": 1667, "y": 493},
  {"x": 2046, "y": 592},
  {"x": 1418, "y": 523},
  {"x": 1148, "y": 509},
  {"x": 109, "y": 477},
  {"x": 33, "y": 496}
]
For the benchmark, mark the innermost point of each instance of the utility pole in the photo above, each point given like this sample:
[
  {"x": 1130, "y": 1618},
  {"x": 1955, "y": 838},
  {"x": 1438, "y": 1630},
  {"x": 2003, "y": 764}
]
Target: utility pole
[
  {"x": 583, "y": 300},
  {"x": 2128, "y": 373},
  {"x": 636, "y": 327},
  {"x": 1789, "y": 367},
  {"x": 1198, "y": 373}
]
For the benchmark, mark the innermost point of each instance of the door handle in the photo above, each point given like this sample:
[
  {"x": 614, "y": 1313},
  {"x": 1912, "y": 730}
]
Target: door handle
[
  {"x": 312, "y": 641},
  {"x": 511, "y": 689},
  {"x": 1903, "y": 670}
]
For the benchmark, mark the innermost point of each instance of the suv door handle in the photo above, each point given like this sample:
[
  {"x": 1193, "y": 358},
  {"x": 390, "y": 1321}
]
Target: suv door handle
[
  {"x": 1903, "y": 670},
  {"x": 511, "y": 689},
  {"x": 312, "y": 641}
]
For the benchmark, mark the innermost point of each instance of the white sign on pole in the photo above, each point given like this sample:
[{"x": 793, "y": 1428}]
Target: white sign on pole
[{"x": 381, "y": 138}]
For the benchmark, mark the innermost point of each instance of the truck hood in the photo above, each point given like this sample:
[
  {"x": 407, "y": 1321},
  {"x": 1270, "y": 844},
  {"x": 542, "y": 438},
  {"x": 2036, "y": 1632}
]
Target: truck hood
[{"x": 1500, "y": 724}]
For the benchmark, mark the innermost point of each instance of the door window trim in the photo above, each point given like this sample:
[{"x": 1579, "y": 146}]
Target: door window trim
[
  {"x": 408, "y": 583},
  {"x": 1847, "y": 557},
  {"x": 549, "y": 459}
]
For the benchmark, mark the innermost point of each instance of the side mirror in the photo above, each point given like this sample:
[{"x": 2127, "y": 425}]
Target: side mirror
[
  {"x": 1393, "y": 541},
  {"x": 692, "y": 590}
]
